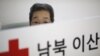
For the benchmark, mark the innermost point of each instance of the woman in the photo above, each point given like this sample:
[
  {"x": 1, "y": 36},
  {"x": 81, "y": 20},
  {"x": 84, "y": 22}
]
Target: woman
[{"x": 41, "y": 13}]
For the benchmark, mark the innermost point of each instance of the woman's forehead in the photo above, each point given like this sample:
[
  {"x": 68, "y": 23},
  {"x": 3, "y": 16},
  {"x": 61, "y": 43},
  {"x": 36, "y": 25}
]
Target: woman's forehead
[{"x": 41, "y": 12}]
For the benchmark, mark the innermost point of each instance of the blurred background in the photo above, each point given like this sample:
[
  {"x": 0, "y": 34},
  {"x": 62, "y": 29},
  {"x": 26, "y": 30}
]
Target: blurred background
[{"x": 15, "y": 13}]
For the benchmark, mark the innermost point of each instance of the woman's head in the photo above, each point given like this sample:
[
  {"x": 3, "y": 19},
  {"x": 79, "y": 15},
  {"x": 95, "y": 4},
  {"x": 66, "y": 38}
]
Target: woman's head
[{"x": 41, "y": 13}]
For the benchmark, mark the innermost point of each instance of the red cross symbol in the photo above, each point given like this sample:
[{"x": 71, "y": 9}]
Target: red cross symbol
[{"x": 14, "y": 50}]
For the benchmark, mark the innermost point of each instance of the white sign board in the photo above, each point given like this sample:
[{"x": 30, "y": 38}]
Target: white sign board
[{"x": 74, "y": 38}]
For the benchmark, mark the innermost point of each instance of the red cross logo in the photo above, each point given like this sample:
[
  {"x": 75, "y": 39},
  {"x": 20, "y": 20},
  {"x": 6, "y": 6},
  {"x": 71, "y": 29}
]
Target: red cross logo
[{"x": 14, "y": 50}]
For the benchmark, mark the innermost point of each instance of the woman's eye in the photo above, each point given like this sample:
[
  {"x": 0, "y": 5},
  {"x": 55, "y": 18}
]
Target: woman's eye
[
  {"x": 35, "y": 22},
  {"x": 45, "y": 22}
]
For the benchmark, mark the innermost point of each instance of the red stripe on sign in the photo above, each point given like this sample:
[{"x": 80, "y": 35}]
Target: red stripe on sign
[{"x": 14, "y": 50}]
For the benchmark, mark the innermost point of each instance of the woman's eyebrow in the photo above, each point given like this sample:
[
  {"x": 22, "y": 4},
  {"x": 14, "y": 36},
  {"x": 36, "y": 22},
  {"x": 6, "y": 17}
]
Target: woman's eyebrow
[
  {"x": 45, "y": 17},
  {"x": 35, "y": 17}
]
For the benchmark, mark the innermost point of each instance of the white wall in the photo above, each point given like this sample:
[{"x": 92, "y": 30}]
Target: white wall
[
  {"x": 17, "y": 11},
  {"x": 0, "y": 26}
]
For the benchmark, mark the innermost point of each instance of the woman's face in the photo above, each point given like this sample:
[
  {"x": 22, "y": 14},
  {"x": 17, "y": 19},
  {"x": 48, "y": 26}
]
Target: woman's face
[{"x": 40, "y": 17}]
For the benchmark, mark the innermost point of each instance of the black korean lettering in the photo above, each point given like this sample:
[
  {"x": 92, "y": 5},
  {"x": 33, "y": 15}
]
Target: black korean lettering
[
  {"x": 60, "y": 46},
  {"x": 79, "y": 43},
  {"x": 93, "y": 42},
  {"x": 44, "y": 49}
]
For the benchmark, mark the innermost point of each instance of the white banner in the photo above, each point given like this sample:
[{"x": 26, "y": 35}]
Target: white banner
[{"x": 74, "y": 38}]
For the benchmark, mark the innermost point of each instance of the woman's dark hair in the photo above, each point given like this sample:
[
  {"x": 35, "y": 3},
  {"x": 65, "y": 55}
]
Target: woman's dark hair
[{"x": 38, "y": 7}]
